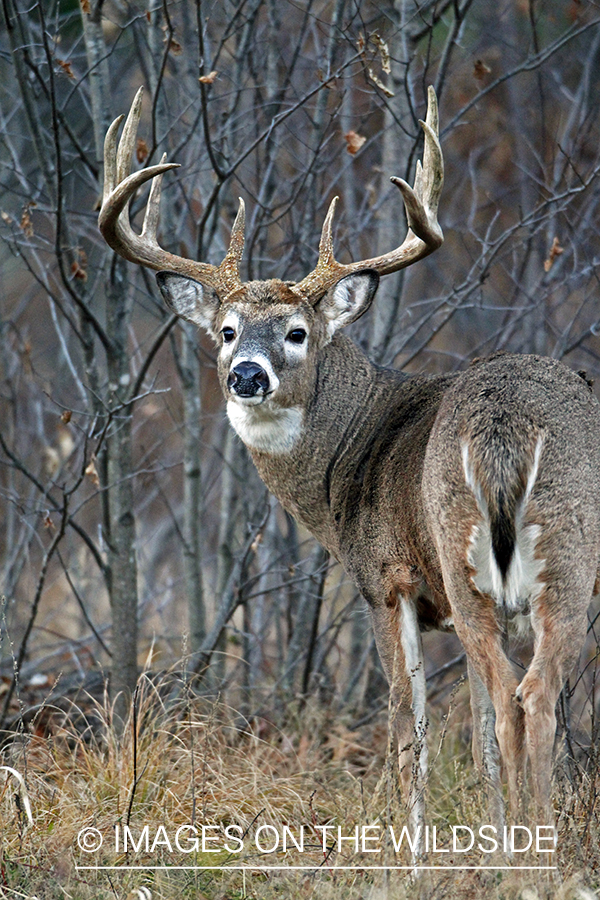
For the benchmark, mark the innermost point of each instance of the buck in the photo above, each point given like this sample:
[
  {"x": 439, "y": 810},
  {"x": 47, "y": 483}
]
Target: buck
[{"x": 467, "y": 501}]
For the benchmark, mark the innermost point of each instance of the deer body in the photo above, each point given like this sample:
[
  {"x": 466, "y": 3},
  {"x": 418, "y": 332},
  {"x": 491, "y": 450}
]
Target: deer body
[
  {"x": 512, "y": 490},
  {"x": 463, "y": 502},
  {"x": 363, "y": 440},
  {"x": 469, "y": 500}
]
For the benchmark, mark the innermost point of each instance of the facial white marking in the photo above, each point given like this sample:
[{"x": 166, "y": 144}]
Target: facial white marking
[
  {"x": 231, "y": 320},
  {"x": 296, "y": 352},
  {"x": 521, "y": 585},
  {"x": 264, "y": 427},
  {"x": 296, "y": 321}
]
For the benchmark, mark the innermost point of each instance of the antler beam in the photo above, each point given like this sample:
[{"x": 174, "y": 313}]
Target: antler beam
[
  {"x": 421, "y": 204},
  {"x": 113, "y": 221}
]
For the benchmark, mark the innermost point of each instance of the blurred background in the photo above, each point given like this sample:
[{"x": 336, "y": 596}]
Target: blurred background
[{"x": 134, "y": 530}]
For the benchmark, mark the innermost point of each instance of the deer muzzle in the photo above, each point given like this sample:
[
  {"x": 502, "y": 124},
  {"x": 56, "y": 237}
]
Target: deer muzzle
[{"x": 247, "y": 379}]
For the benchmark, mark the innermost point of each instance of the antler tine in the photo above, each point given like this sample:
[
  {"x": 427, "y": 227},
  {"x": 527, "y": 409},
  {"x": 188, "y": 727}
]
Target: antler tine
[
  {"x": 421, "y": 203},
  {"x": 152, "y": 214},
  {"x": 433, "y": 160},
  {"x": 326, "y": 242},
  {"x": 127, "y": 142},
  {"x": 113, "y": 221},
  {"x": 229, "y": 272},
  {"x": 110, "y": 158}
]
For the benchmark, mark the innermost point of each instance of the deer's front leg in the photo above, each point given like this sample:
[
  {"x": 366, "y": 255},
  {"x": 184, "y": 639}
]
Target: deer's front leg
[{"x": 400, "y": 649}]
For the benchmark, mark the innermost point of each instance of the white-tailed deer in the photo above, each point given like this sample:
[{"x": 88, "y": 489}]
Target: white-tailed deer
[{"x": 469, "y": 500}]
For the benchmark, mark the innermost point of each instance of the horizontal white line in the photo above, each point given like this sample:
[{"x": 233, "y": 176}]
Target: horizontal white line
[{"x": 323, "y": 865}]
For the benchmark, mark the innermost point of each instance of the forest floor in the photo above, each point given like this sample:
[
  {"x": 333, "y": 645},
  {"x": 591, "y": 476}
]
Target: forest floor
[{"x": 194, "y": 801}]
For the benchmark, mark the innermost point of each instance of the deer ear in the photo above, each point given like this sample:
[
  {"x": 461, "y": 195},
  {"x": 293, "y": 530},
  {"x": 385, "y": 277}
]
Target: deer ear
[
  {"x": 189, "y": 299},
  {"x": 347, "y": 300}
]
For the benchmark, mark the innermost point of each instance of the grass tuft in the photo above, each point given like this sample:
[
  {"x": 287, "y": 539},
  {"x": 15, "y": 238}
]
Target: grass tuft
[{"x": 189, "y": 780}]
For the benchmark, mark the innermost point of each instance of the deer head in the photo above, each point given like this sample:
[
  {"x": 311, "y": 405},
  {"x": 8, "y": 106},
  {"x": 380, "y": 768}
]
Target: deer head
[{"x": 269, "y": 333}]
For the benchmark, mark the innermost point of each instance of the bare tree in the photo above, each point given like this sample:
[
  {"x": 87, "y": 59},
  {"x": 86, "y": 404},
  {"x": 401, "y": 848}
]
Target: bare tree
[{"x": 287, "y": 105}]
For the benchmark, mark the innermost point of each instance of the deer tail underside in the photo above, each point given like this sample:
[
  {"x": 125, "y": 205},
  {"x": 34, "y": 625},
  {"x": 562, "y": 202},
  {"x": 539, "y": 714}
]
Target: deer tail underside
[
  {"x": 502, "y": 474},
  {"x": 502, "y": 505}
]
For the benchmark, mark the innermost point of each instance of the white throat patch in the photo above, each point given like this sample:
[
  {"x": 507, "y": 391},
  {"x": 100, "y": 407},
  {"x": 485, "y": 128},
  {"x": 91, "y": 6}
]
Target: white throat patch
[{"x": 266, "y": 428}]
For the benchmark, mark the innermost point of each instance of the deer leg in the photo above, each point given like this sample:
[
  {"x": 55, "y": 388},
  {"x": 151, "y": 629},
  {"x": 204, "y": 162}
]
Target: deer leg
[
  {"x": 400, "y": 649},
  {"x": 559, "y": 626},
  {"x": 486, "y": 753},
  {"x": 478, "y": 630}
]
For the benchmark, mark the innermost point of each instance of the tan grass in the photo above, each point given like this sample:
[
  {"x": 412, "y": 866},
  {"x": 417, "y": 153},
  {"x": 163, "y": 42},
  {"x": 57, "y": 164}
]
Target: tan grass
[{"x": 190, "y": 762}]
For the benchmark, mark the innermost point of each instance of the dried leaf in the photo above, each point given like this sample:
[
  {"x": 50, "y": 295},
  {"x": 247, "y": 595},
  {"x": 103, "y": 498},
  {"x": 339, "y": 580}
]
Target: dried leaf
[
  {"x": 555, "y": 250},
  {"x": 48, "y": 523},
  {"x": 26, "y": 223},
  {"x": 574, "y": 11},
  {"x": 480, "y": 70},
  {"x": 141, "y": 150},
  {"x": 77, "y": 272},
  {"x": 354, "y": 141},
  {"x": 79, "y": 267},
  {"x": 92, "y": 472},
  {"x": 66, "y": 67},
  {"x": 208, "y": 79},
  {"x": 66, "y": 416},
  {"x": 174, "y": 45},
  {"x": 382, "y": 87},
  {"x": 384, "y": 51},
  {"x": 86, "y": 7}
]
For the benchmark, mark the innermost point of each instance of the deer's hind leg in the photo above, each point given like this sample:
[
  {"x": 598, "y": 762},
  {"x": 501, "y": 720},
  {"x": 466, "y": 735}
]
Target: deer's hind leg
[
  {"x": 493, "y": 686},
  {"x": 559, "y": 622},
  {"x": 486, "y": 752}
]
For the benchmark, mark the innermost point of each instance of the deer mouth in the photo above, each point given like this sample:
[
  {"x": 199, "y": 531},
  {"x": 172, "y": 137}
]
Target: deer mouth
[{"x": 256, "y": 399}]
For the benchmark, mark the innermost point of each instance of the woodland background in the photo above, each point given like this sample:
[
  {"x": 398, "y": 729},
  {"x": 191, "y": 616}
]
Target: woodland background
[{"x": 134, "y": 532}]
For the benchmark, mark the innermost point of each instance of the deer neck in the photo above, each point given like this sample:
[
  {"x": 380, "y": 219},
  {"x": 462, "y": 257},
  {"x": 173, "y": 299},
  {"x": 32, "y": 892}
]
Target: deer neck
[{"x": 333, "y": 425}]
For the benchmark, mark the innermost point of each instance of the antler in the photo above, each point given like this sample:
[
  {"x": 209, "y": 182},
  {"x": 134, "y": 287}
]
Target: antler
[
  {"x": 421, "y": 202},
  {"x": 119, "y": 188}
]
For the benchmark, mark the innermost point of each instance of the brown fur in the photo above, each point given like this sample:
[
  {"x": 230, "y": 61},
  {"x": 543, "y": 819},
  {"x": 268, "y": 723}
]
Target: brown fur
[{"x": 378, "y": 476}]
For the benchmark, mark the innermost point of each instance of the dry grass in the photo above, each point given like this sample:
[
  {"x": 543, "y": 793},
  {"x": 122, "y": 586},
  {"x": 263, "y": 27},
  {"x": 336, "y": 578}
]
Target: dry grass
[{"x": 184, "y": 761}]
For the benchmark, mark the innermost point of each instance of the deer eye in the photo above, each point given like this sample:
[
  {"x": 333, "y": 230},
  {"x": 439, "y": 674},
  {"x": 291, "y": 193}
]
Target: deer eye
[
  {"x": 228, "y": 334},
  {"x": 297, "y": 336}
]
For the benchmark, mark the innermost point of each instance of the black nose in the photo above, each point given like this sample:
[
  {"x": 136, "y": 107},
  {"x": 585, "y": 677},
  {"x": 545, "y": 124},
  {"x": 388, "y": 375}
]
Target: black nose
[{"x": 247, "y": 379}]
